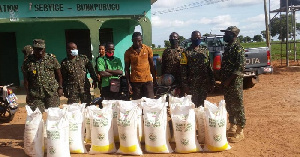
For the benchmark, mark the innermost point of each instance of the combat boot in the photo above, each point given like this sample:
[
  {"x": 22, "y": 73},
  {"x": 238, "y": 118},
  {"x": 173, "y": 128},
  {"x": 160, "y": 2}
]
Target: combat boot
[
  {"x": 238, "y": 136},
  {"x": 232, "y": 130}
]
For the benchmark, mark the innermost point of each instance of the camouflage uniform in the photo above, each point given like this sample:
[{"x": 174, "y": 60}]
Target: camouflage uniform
[
  {"x": 233, "y": 62},
  {"x": 171, "y": 63},
  {"x": 76, "y": 85},
  {"x": 197, "y": 73},
  {"x": 42, "y": 85}
]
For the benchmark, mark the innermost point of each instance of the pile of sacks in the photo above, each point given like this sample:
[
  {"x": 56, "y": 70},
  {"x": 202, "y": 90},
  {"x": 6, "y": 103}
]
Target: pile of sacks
[{"x": 130, "y": 123}]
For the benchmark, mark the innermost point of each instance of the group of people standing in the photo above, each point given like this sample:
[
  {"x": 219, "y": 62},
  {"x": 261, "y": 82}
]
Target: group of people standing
[
  {"x": 194, "y": 76},
  {"x": 45, "y": 80}
]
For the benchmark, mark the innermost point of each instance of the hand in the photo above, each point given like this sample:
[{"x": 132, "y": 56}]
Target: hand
[
  {"x": 130, "y": 89},
  {"x": 60, "y": 92},
  {"x": 98, "y": 77},
  {"x": 226, "y": 83}
]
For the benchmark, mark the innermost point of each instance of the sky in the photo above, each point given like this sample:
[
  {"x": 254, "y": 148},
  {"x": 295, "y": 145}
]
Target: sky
[{"x": 247, "y": 15}]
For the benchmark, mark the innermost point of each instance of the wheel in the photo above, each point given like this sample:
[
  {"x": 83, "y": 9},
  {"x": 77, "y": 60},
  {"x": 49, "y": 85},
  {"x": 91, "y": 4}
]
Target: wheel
[
  {"x": 249, "y": 82},
  {"x": 5, "y": 114}
]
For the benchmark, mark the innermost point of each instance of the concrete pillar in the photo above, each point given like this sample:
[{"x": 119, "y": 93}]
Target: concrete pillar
[{"x": 146, "y": 30}]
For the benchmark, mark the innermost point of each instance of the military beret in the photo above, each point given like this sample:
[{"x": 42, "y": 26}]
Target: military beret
[
  {"x": 39, "y": 43},
  {"x": 232, "y": 29}
]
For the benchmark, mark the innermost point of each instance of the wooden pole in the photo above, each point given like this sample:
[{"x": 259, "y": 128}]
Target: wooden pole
[
  {"x": 287, "y": 32},
  {"x": 267, "y": 25}
]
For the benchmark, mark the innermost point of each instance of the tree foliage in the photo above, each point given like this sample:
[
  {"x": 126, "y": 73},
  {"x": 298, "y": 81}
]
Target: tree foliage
[
  {"x": 153, "y": 46},
  {"x": 257, "y": 38},
  {"x": 278, "y": 27},
  {"x": 241, "y": 38},
  {"x": 167, "y": 43}
]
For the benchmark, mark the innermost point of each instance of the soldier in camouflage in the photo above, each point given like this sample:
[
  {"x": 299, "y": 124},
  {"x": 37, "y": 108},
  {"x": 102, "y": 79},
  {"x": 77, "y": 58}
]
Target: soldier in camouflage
[
  {"x": 233, "y": 63},
  {"x": 197, "y": 74},
  {"x": 40, "y": 72},
  {"x": 171, "y": 60},
  {"x": 27, "y": 50},
  {"x": 74, "y": 69}
]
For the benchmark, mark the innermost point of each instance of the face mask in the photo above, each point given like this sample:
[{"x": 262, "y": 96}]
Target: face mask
[
  {"x": 109, "y": 54},
  {"x": 173, "y": 41},
  {"x": 228, "y": 38},
  {"x": 74, "y": 52},
  {"x": 196, "y": 42}
]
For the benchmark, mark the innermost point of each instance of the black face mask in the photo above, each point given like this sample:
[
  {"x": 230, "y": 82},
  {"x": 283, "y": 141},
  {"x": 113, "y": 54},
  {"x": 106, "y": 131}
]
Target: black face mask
[
  {"x": 228, "y": 38},
  {"x": 173, "y": 41}
]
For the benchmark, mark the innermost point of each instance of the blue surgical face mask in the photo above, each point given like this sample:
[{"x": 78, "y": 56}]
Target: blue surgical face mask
[
  {"x": 74, "y": 52},
  {"x": 196, "y": 42}
]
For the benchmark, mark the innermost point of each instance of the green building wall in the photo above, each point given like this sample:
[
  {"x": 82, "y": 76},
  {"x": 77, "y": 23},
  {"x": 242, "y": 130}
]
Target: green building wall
[{"x": 52, "y": 29}]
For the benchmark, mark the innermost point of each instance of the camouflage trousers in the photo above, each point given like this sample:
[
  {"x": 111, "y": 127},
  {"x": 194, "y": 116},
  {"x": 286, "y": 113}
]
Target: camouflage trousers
[
  {"x": 75, "y": 95},
  {"x": 199, "y": 91},
  {"x": 43, "y": 102},
  {"x": 233, "y": 96}
]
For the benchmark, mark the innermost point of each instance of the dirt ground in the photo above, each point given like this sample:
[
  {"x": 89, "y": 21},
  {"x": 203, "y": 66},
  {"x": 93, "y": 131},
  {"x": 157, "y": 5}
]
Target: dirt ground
[{"x": 272, "y": 110}]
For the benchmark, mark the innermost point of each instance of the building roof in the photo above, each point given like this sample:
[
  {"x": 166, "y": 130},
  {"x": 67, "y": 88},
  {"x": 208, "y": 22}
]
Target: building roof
[{"x": 153, "y": 1}]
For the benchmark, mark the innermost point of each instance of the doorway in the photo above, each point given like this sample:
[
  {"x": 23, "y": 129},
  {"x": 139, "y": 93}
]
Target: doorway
[
  {"x": 81, "y": 37},
  {"x": 9, "y": 72},
  {"x": 106, "y": 35}
]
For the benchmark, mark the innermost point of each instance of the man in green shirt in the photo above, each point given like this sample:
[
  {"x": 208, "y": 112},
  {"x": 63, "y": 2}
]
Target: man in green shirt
[{"x": 109, "y": 67}]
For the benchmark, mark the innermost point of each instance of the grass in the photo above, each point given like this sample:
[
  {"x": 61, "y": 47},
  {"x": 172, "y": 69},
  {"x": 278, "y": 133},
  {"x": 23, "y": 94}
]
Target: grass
[{"x": 277, "y": 49}]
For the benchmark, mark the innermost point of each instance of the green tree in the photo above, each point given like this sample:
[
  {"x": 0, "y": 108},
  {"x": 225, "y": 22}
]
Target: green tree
[
  {"x": 278, "y": 27},
  {"x": 159, "y": 46},
  {"x": 247, "y": 39},
  {"x": 167, "y": 43},
  {"x": 257, "y": 38},
  {"x": 181, "y": 38},
  {"x": 241, "y": 38},
  {"x": 153, "y": 46}
]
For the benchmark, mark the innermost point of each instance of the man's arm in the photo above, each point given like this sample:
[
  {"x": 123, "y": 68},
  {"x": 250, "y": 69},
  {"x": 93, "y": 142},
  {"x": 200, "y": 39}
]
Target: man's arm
[
  {"x": 25, "y": 82},
  {"x": 60, "y": 81},
  {"x": 152, "y": 69},
  {"x": 118, "y": 70},
  {"x": 89, "y": 67}
]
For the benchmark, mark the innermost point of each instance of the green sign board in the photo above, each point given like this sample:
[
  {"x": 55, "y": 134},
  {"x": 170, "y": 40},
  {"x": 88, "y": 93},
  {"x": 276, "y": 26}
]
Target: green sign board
[{"x": 15, "y": 9}]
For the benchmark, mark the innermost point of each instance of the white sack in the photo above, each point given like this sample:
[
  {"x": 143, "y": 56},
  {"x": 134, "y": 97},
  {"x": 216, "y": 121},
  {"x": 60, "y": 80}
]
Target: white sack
[
  {"x": 215, "y": 127},
  {"x": 33, "y": 133},
  {"x": 57, "y": 133},
  {"x": 102, "y": 131}
]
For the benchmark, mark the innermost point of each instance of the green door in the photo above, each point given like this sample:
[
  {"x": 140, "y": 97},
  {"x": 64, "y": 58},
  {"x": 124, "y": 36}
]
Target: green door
[{"x": 8, "y": 59}]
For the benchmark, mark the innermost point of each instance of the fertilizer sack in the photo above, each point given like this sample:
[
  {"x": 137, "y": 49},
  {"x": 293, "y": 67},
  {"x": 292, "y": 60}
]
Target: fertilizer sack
[
  {"x": 76, "y": 128},
  {"x": 113, "y": 104},
  {"x": 33, "y": 133},
  {"x": 127, "y": 127},
  {"x": 102, "y": 131},
  {"x": 87, "y": 122},
  {"x": 155, "y": 127},
  {"x": 200, "y": 124},
  {"x": 57, "y": 133},
  {"x": 184, "y": 125},
  {"x": 215, "y": 127}
]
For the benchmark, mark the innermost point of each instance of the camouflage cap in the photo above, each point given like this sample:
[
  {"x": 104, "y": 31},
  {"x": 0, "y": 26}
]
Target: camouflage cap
[
  {"x": 27, "y": 49},
  {"x": 39, "y": 43},
  {"x": 232, "y": 29}
]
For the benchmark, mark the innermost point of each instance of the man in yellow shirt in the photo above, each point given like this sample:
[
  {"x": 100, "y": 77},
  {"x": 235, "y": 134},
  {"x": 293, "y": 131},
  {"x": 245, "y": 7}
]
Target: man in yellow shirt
[{"x": 139, "y": 58}]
